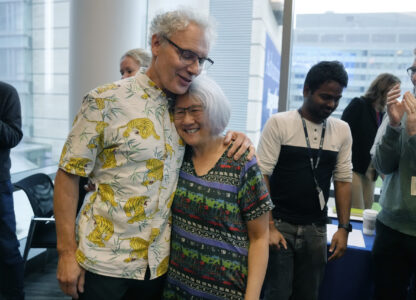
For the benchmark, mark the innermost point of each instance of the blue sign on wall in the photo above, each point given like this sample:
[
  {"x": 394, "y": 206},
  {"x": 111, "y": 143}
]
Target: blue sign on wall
[{"x": 271, "y": 81}]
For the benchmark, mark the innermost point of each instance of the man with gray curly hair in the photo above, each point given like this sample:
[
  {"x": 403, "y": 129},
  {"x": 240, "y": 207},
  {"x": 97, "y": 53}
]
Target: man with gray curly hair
[
  {"x": 124, "y": 140},
  {"x": 180, "y": 42}
]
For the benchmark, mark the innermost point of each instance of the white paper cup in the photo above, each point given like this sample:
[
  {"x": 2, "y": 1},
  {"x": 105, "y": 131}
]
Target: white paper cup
[{"x": 369, "y": 221}]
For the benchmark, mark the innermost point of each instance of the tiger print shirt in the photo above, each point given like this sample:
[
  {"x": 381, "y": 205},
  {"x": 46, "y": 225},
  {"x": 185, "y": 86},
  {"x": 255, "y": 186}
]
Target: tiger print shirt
[{"x": 124, "y": 139}]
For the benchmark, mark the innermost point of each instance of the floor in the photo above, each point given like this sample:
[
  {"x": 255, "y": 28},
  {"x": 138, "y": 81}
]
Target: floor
[{"x": 40, "y": 281}]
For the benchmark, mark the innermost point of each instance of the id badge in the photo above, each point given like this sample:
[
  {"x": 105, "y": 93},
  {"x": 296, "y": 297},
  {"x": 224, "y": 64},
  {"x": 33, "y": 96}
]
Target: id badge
[{"x": 321, "y": 198}]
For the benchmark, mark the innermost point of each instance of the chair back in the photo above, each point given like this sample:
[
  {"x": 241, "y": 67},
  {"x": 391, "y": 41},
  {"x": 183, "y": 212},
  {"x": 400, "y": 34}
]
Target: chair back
[{"x": 39, "y": 190}]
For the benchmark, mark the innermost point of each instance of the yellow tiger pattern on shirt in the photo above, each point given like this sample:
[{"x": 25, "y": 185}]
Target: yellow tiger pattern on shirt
[
  {"x": 135, "y": 208},
  {"x": 139, "y": 246},
  {"x": 155, "y": 167},
  {"x": 77, "y": 165},
  {"x": 169, "y": 150},
  {"x": 129, "y": 148},
  {"x": 108, "y": 157},
  {"x": 107, "y": 194},
  {"x": 103, "y": 231},
  {"x": 106, "y": 87},
  {"x": 101, "y": 102},
  {"x": 144, "y": 127},
  {"x": 98, "y": 141}
]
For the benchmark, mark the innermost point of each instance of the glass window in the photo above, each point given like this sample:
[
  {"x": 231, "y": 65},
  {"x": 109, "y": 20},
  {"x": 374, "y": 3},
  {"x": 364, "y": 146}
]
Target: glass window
[
  {"x": 34, "y": 53},
  {"x": 368, "y": 40}
]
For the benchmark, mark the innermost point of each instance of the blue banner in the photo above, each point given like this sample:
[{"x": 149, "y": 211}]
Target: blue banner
[{"x": 271, "y": 81}]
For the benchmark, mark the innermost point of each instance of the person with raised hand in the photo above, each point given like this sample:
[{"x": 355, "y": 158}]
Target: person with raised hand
[{"x": 394, "y": 248}]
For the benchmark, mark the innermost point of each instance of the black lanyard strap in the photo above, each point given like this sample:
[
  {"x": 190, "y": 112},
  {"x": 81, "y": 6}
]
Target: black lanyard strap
[{"x": 308, "y": 144}]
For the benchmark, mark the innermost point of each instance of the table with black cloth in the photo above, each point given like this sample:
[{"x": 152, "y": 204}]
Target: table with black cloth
[{"x": 350, "y": 276}]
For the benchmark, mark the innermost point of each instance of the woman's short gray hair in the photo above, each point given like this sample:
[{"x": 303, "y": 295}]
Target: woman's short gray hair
[
  {"x": 141, "y": 56},
  {"x": 216, "y": 105},
  {"x": 166, "y": 24}
]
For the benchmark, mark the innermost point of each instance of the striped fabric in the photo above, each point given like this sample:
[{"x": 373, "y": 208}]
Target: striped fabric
[{"x": 209, "y": 244}]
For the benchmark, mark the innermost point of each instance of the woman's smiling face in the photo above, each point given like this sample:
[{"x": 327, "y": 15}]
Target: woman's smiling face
[{"x": 191, "y": 121}]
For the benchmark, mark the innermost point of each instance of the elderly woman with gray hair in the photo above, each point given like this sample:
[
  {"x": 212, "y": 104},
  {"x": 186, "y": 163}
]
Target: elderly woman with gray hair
[
  {"x": 132, "y": 61},
  {"x": 219, "y": 242}
]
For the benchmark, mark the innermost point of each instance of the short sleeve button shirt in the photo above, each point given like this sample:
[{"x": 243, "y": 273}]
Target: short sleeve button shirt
[{"x": 124, "y": 139}]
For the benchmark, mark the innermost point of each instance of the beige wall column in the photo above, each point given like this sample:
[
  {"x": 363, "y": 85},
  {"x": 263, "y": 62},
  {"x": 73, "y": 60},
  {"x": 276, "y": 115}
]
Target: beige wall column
[{"x": 100, "y": 32}]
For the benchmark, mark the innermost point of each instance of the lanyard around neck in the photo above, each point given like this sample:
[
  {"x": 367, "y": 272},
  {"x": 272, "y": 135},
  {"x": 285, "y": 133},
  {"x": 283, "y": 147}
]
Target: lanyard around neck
[{"x": 308, "y": 144}]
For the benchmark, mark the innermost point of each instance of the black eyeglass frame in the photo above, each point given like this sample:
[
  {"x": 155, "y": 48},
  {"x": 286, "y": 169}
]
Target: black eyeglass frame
[
  {"x": 193, "y": 110},
  {"x": 201, "y": 60},
  {"x": 411, "y": 70}
]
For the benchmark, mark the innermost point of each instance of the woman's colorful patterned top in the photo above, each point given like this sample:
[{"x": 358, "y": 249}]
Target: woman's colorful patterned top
[{"x": 209, "y": 235}]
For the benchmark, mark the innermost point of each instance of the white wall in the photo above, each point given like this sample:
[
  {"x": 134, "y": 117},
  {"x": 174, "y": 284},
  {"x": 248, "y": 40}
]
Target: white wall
[
  {"x": 263, "y": 23},
  {"x": 239, "y": 56},
  {"x": 101, "y": 32},
  {"x": 246, "y": 37},
  {"x": 157, "y": 6},
  {"x": 48, "y": 112}
]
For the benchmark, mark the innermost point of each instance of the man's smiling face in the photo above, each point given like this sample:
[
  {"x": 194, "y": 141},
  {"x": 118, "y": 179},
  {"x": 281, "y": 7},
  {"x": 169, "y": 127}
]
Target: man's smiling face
[{"x": 167, "y": 70}]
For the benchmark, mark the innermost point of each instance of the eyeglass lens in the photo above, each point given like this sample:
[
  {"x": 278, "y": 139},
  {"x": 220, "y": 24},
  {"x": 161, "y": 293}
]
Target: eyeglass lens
[
  {"x": 193, "y": 110},
  {"x": 189, "y": 57}
]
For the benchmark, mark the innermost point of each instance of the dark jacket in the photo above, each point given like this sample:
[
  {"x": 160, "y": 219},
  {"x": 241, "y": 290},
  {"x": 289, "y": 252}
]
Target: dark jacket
[
  {"x": 10, "y": 126},
  {"x": 362, "y": 118}
]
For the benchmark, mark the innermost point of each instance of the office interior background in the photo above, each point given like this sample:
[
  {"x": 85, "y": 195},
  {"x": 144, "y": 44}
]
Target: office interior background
[{"x": 55, "y": 51}]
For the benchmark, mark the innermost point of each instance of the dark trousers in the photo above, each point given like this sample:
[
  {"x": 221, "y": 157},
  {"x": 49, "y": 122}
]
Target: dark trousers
[
  {"x": 11, "y": 262},
  {"x": 111, "y": 288},
  {"x": 296, "y": 273},
  {"x": 394, "y": 260}
]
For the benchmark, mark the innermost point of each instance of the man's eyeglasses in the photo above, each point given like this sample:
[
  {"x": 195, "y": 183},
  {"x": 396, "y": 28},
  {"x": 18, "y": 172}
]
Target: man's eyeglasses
[
  {"x": 189, "y": 57},
  {"x": 194, "y": 110},
  {"x": 411, "y": 71}
]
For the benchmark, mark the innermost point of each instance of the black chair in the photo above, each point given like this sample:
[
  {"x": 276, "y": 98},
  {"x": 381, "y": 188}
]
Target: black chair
[{"x": 42, "y": 231}]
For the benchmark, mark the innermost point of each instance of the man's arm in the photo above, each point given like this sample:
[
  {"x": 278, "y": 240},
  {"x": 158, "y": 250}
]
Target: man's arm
[
  {"x": 70, "y": 275},
  {"x": 343, "y": 204},
  {"x": 268, "y": 154},
  {"x": 342, "y": 184},
  {"x": 270, "y": 144}
]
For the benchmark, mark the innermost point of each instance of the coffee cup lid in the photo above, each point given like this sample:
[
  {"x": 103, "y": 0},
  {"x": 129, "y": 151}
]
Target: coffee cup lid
[{"x": 370, "y": 212}]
